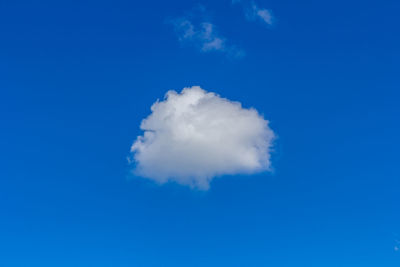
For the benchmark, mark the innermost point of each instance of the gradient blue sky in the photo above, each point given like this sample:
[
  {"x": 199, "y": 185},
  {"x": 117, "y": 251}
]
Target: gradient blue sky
[{"x": 77, "y": 77}]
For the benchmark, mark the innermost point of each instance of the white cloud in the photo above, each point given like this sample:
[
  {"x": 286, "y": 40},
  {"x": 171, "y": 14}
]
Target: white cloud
[
  {"x": 193, "y": 136},
  {"x": 254, "y": 12},
  {"x": 201, "y": 33},
  {"x": 260, "y": 13}
]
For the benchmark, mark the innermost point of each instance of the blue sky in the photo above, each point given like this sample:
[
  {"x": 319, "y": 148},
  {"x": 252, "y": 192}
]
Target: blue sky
[{"x": 77, "y": 78}]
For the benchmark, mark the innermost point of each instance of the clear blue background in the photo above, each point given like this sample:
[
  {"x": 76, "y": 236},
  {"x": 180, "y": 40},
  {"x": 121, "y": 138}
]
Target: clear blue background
[{"x": 77, "y": 77}]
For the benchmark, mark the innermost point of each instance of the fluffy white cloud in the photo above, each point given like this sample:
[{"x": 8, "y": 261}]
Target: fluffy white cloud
[{"x": 193, "y": 136}]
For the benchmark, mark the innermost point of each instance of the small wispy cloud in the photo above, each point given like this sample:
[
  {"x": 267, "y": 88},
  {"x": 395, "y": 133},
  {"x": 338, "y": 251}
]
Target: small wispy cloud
[
  {"x": 262, "y": 14},
  {"x": 196, "y": 30},
  {"x": 254, "y": 12}
]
